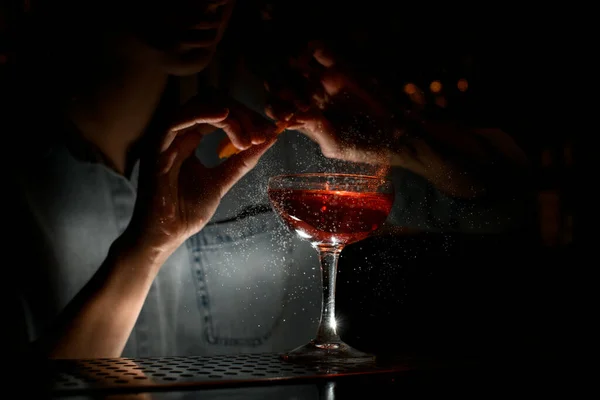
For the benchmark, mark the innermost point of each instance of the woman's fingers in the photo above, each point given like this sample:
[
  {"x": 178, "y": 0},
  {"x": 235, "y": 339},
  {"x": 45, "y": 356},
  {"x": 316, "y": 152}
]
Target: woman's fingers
[
  {"x": 192, "y": 116},
  {"x": 234, "y": 168}
]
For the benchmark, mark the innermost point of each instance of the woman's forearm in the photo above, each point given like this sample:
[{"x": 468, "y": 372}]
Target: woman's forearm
[{"x": 99, "y": 320}]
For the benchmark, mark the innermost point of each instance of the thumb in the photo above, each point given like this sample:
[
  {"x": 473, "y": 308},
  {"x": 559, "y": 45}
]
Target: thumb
[
  {"x": 317, "y": 128},
  {"x": 234, "y": 168}
]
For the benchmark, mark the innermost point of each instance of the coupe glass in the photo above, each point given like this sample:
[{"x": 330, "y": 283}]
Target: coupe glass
[{"x": 330, "y": 211}]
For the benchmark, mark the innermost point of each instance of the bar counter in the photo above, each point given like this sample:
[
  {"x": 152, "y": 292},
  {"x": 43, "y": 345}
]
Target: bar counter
[{"x": 266, "y": 376}]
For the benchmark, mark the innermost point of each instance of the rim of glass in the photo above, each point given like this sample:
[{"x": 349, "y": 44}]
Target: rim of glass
[{"x": 338, "y": 175}]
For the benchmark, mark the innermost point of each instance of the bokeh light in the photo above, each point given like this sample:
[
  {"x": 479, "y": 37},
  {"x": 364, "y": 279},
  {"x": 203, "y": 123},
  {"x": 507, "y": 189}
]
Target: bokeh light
[{"x": 435, "y": 86}]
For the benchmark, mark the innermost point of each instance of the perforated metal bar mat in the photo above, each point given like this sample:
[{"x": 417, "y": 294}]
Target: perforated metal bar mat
[{"x": 228, "y": 370}]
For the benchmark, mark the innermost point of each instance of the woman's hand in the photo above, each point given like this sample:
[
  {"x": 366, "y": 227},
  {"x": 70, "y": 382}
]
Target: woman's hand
[
  {"x": 177, "y": 194},
  {"x": 352, "y": 118}
]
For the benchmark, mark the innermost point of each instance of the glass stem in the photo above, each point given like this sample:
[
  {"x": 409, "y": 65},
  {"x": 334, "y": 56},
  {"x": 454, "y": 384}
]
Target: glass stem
[{"x": 327, "y": 332}]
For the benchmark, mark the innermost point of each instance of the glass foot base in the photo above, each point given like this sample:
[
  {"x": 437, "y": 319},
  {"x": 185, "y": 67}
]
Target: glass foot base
[{"x": 329, "y": 352}]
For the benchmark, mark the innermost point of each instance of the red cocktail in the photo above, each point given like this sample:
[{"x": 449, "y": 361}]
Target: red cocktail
[
  {"x": 327, "y": 217},
  {"x": 330, "y": 211}
]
